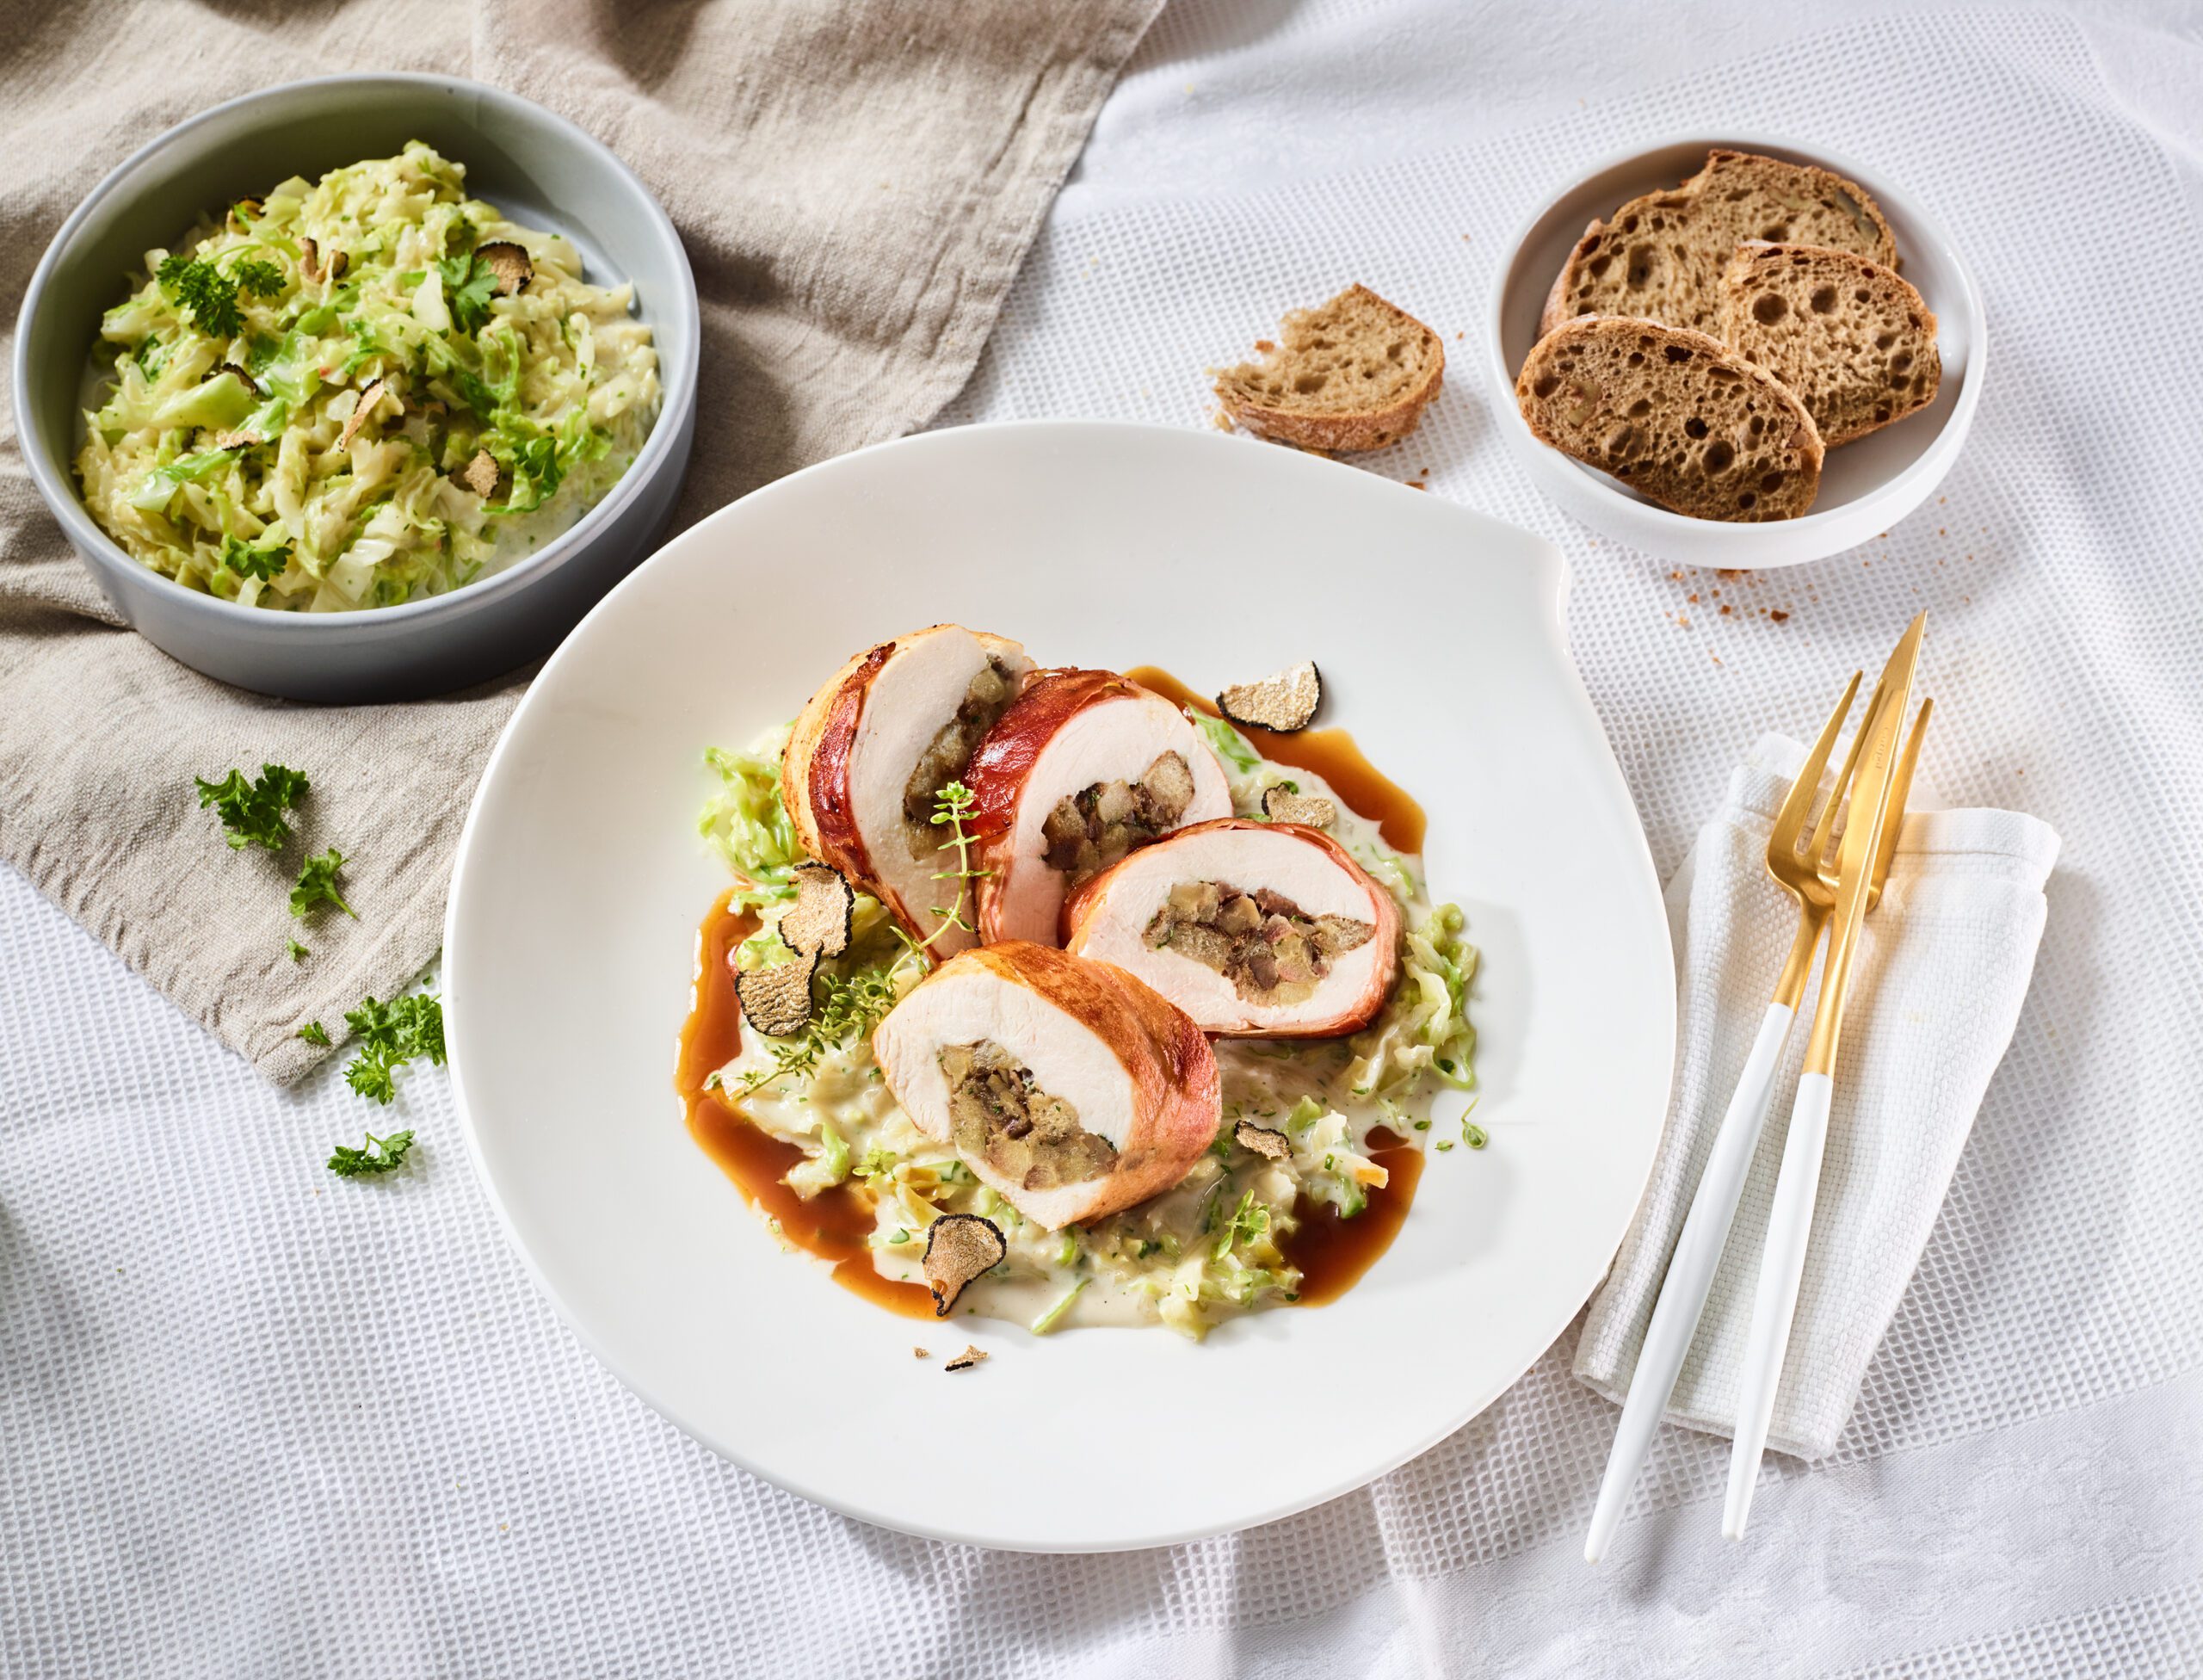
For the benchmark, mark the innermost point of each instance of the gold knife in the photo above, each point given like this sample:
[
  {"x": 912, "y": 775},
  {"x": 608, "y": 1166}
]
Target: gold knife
[{"x": 1790, "y": 1221}]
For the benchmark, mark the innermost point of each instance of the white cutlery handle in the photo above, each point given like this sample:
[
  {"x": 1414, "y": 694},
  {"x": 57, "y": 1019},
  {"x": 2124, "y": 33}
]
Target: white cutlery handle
[
  {"x": 1782, "y": 1263},
  {"x": 1690, "y": 1275}
]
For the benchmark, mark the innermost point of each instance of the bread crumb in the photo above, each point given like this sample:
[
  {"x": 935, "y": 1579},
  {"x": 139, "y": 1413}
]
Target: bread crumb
[
  {"x": 1692, "y": 597},
  {"x": 1726, "y": 609},
  {"x": 965, "y": 1360},
  {"x": 920, "y": 1353},
  {"x": 1779, "y": 616}
]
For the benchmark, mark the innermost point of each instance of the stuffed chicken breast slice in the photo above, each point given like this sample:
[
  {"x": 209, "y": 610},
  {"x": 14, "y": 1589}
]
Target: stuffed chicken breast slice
[
  {"x": 1066, "y": 1085},
  {"x": 1084, "y": 767},
  {"x": 870, "y": 753},
  {"x": 1255, "y": 929}
]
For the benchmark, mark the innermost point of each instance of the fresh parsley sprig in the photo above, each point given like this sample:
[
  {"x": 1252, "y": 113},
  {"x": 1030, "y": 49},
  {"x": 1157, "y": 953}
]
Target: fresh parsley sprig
[
  {"x": 378, "y": 1156},
  {"x": 391, "y": 1035},
  {"x": 263, "y": 562},
  {"x": 253, "y": 811},
  {"x": 202, "y": 291},
  {"x": 317, "y": 885},
  {"x": 469, "y": 284}
]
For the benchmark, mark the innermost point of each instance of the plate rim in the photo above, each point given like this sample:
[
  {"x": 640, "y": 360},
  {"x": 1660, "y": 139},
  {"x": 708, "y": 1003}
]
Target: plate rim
[{"x": 1555, "y": 586}]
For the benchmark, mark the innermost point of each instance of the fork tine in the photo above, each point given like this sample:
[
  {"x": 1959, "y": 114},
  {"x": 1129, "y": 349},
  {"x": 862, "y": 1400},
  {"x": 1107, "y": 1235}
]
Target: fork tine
[
  {"x": 1816, "y": 848},
  {"x": 1790, "y": 820},
  {"x": 1900, "y": 789}
]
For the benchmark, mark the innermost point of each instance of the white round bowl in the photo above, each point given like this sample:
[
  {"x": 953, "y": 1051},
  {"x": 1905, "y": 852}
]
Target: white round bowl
[{"x": 1865, "y": 486}]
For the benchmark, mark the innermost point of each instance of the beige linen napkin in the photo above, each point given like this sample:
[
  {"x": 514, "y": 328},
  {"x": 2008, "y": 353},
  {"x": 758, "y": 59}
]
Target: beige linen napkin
[{"x": 856, "y": 184}]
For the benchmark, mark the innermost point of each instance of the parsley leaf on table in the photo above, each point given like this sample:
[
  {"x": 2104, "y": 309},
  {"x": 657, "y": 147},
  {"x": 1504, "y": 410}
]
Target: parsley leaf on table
[
  {"x": 317, "y": 885},
  {"x": 391, "y": 1035},
  {"x": 299, "y": 953},
  {"x": 380, "y": 1155},
  {"x": 314, "y": 1032},
  {"x": 253, "y": 811}
]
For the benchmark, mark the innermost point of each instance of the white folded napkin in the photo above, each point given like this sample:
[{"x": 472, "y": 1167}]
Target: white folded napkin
[{"x": 1942, "y": 968}]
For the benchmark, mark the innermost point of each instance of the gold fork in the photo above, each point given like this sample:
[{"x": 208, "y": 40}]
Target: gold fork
[
  {"x": 1697, "y": 1254},
  {"x": 1879, "y": 792}
]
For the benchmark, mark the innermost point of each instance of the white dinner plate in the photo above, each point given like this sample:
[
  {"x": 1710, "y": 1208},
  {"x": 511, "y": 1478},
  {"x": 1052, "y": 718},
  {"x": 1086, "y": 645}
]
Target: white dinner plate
[{"x": 582, "y": 881}]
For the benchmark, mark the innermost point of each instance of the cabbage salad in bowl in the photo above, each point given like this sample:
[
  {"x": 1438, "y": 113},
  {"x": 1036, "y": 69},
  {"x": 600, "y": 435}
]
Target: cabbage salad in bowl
[
  {"x": 984, "y": 902},
  {"x": 362, "y": 391}
]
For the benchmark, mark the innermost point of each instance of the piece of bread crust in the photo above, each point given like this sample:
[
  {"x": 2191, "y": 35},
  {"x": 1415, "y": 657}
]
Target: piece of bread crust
[
  {"x": 1854, "y": 340},
  {"x": 1351, "y": 375},
  {"x": 1661, "y": 256},
  {"x": 1677, "y": 416}
]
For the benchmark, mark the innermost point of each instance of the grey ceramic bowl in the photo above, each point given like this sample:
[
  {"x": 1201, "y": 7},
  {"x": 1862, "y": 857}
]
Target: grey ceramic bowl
[{"x": 537, "y": 168}]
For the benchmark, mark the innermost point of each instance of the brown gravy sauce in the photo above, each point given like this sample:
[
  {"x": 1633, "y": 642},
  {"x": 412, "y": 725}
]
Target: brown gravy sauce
[
  {"x": 1331, "y": 1252},
  {"x": 833, "y": 1224},
  {"x": 1331, "y": 753}
]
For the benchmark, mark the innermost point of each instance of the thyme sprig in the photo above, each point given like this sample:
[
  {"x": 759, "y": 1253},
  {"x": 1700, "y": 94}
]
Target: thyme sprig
[{"x": 952, "y": 810}]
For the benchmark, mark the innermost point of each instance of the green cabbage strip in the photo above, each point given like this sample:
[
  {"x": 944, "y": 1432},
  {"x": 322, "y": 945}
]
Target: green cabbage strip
[
  {"x": 749, "y": 827},
  {"x": 310, "y": 374}
]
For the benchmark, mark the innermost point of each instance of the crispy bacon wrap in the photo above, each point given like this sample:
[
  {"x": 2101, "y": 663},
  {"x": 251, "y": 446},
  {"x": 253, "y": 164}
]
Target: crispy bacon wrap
[
  {"x": 1084, "y": 767},
  {"x": 870, "y": 752},
  {"x": 1066, "y": 1085}
]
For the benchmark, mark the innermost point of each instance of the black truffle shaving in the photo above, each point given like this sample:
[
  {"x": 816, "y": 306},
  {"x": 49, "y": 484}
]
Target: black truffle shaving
[
  {"x": 509, "y": 263},
  {"x": 959, "y": 1248},
  {"x": 1281, "y": 703},
  {"x": 1261, "y": 1140},
  {"x": 1281, "y": 804},
  {"x": 369, "y": 399},
  {"x": 817, "y": 923},
  {"x": 479, "y": 475},
  {"x": 776, "y": 1001}
]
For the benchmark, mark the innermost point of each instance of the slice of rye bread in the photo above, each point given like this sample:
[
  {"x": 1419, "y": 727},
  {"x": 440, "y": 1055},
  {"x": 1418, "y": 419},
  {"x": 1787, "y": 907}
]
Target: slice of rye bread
[
  {"x": 1356, "y": 373},
  {"x": 1678, "y": 417},
  {"x": 1854, "y": 339},
  {"x": 1661, "y": 256}
]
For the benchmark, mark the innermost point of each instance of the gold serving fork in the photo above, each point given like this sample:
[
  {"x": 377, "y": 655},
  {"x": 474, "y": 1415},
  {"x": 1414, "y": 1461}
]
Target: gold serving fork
[
  {"x": 1800, "y": 872},
  {"x": 1880, "y": 784}
]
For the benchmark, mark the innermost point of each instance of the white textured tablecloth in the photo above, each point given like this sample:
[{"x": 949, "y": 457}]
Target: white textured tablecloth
[{"x": 254, "y": 1421}]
